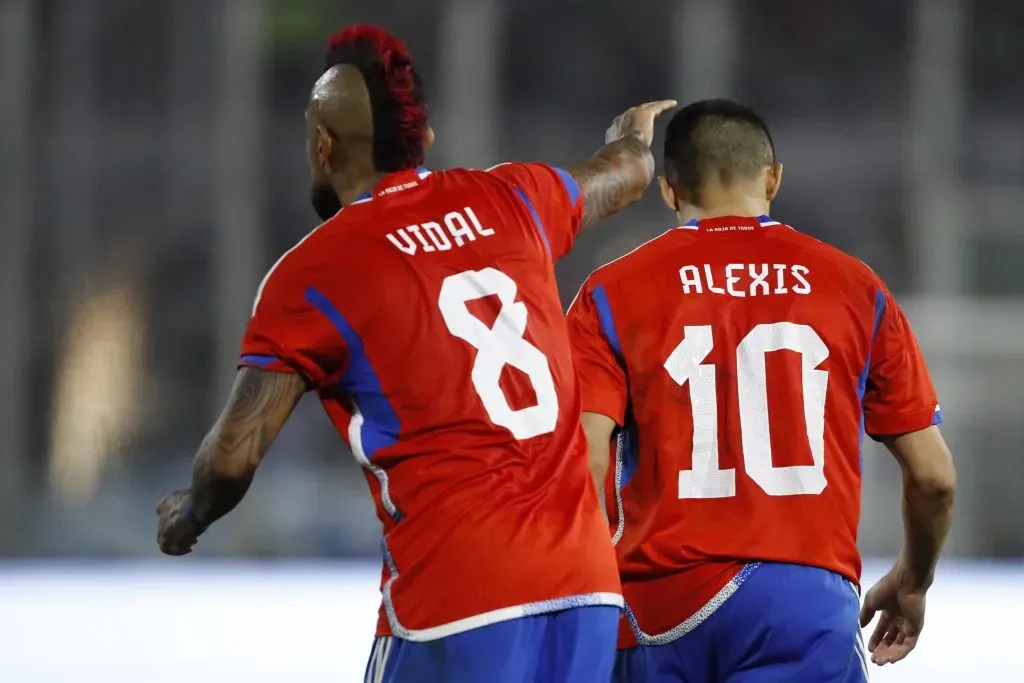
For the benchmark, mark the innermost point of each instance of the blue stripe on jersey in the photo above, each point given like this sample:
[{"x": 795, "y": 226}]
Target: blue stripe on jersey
[
  {"x": 862, "y": 381},
  {"x": 536, "y": 218},
  {"x": 258, "y": 361},
  {"x": 604, "y": 314},
  {"x": 571, "y": 186},
  {"x": 937, "y": 420},
  {"x": 380, "y": 422}
]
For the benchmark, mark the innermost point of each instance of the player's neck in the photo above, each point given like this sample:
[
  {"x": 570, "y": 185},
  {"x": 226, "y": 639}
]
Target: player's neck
[
  {"x": 350, "y": 189},
  {"x": 725, "y": 206}
]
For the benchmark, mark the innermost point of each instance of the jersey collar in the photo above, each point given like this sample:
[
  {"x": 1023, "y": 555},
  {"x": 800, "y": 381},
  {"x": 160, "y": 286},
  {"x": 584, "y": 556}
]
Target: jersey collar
[
  {"x": 390, "y": 181},
  {"x": 729, "y": 223}
]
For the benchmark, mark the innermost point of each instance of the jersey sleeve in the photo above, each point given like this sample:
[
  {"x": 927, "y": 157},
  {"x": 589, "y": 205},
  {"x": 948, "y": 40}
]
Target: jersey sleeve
[
  {"x": 596, "y": 354},
  {"x": 899, "y": 397},
  {"x": 553, "y": 198},
  {"x": 288, "y": 331}
]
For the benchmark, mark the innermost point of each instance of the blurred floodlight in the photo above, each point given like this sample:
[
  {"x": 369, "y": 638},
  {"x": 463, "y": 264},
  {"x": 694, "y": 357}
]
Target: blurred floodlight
[{"x": 96, "y": 398}]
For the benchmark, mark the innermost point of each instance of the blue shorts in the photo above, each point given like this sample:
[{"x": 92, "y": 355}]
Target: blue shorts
[
  {"x": 571, "y": 646},
  {"x": 785, "y": 623}
]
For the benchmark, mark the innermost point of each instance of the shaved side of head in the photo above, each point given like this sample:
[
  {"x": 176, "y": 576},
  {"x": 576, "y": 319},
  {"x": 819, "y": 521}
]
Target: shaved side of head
[
  {"x": 340, "y": 102},
  {"x": 395, "y": 91},
  {"x": 367, "y": 115},
  {"x": 339, "y": 129}
]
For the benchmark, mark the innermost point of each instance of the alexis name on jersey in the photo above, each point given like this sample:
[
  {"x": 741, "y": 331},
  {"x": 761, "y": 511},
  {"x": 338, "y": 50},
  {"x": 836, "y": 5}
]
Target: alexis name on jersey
[
  {"x": 458, "y": 227},
  {"x": 746, "y": 279}
]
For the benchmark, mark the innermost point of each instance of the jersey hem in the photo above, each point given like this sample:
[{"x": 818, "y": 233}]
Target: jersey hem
[
  {"x": 530, "y": 609},
  {"x": 695, "y": 619}
]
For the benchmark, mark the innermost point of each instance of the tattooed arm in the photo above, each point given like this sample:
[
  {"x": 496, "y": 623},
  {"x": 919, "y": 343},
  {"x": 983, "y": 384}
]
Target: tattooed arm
[
  {"x": 259, "y": 405},
  {"x": 618, "y": 175}
]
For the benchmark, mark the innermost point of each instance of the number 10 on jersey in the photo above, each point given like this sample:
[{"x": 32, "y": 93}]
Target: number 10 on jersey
[{"x": 706, "y": 478}]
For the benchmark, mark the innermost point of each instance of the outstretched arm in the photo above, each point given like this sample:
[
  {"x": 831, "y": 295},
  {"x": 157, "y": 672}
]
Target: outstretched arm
[
  {"x": 259, "y": 405},
  {"x": 619, "y": 174}
]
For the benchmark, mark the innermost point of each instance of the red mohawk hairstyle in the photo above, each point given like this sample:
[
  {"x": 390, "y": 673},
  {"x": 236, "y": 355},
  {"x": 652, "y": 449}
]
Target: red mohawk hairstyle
[{"x": 396, "y": 93}]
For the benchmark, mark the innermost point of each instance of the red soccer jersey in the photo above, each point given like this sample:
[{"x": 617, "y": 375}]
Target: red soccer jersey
[
  {"x": 427, "y": 318},
  {"x": 744, "y": 361}
]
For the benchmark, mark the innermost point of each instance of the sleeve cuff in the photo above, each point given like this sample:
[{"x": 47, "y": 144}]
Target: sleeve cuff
[
  {"x": 570, "y": 184},
  {"x": 904, "y": 423},
  {"x": 258, "y": 361},
  {"x": 274, "y": 364},
  {"x": 608, "y": 403}
]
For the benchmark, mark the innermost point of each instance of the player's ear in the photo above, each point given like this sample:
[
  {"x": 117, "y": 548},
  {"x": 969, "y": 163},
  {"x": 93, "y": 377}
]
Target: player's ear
[
  {"x": 428, "y": 138},
  {"x": 774, "y": 181},
  {"x": 324, "y": 149},
  {"x": 668, "y": 195}
]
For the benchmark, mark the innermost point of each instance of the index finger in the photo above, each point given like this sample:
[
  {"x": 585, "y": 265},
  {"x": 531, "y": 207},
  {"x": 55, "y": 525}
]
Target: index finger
[{"x": 658, "y": 106}]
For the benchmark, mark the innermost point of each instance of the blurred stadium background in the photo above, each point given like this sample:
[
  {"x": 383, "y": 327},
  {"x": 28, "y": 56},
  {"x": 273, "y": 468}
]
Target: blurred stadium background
[{"x": 151, "y": 156}]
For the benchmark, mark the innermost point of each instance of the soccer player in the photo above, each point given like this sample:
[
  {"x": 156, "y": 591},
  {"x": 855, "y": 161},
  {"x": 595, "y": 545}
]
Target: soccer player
[
  {"x": 425, "y": 315},
  {"x": 738, "y": 363}
]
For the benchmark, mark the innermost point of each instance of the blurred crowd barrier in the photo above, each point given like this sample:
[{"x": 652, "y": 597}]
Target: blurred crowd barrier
[{"x": 314, "y": 623}]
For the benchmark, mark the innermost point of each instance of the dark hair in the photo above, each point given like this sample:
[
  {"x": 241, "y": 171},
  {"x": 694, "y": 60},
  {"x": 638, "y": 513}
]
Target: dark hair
[
  {"x": 715, "y": 139},
  {"x": 396, "y": 93}
]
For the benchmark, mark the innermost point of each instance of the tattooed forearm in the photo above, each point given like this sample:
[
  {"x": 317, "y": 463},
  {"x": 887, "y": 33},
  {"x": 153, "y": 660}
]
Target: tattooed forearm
[
  {"x": 213, "y": 495},
  {"x": 259, "y": 404},
  {"x": 614, "y": 178}
]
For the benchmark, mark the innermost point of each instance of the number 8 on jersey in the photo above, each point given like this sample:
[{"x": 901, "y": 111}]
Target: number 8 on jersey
[{"x": 500, "y": 345}]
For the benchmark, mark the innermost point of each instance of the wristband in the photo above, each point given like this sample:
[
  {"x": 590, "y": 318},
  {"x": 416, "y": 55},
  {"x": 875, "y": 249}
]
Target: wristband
[{"x": 191, "y": 516}]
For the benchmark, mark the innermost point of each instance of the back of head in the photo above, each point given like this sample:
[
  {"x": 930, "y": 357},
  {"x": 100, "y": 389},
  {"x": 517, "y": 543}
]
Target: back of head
[
  {"x": 715, "y": 142},
  {"x": 395, "y": 90}
]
